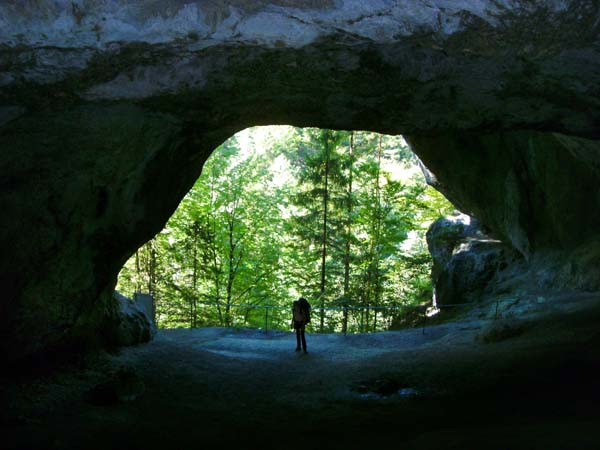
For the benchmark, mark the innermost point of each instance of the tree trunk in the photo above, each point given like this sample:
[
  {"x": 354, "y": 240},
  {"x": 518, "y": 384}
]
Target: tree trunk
[
  {"x": 151, "y": 269},
  {"x": 324, "y": 235},
  {"x": 214, "y": 261},
  {"x": 369, "y": 283},
  {"x": 348, "y": 235},
  {"x": 193, "y": 300},
  {"x": 231, "y": 270},
  {"x": 138, "y": 272},
  {"x": 377, "y": 278}
]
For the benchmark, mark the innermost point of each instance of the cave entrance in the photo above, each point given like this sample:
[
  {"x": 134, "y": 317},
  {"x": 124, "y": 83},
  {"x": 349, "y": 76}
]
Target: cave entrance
[{"x": 279, "y": 212}]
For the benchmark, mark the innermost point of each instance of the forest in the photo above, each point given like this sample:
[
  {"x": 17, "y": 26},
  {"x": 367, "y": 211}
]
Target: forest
[{"x": 338, "y": 217}]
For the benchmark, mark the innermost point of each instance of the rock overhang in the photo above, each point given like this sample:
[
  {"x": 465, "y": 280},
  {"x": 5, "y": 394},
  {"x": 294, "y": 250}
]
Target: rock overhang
[
  {"x": 468, "y": 53},
  {"x": 129, "y": 97},
  {"x": 78, "y": 24}
]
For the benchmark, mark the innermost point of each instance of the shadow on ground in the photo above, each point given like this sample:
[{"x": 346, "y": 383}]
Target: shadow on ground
[{"x": 445, "y": 386}]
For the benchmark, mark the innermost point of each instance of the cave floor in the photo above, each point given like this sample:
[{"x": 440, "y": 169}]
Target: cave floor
[{"x": 437, "y": 387}]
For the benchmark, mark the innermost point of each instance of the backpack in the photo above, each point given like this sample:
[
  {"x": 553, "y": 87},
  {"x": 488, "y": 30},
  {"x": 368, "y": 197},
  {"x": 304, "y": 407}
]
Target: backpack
[
  {"x": 305, "y": 309},
  {"x": 297, "y": 311}
]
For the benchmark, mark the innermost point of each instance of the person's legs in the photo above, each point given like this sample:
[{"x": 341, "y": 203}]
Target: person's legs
[
  {"x": 298, "y": 339},
  {"x": 303, "y": 340}
]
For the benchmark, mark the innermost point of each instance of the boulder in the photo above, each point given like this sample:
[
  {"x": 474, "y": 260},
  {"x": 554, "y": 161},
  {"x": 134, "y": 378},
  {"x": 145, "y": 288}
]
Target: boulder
[
  {"x": 135, "y": 322},
  {"x": 123, "y": 385},
  {"x": 467, "y": 263},
  {"x": 500, "y": 330}
]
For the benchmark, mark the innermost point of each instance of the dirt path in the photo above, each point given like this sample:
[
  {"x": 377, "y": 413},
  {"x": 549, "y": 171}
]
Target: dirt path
[{"x": 433, "y": 388}]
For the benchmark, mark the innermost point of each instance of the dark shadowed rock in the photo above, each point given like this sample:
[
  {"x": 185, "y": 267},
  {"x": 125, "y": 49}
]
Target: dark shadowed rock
[
  {"x": 135, "y": 322},
  {"x": 500, "y": 330},
  {"x": 124, "y": 385},
  {"x": 467, "y": 264},
  {"x": 538, "y": 193}
]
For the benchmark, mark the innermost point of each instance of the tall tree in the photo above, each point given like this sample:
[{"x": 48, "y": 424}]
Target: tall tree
[
  {"x": 348, "y": 233},
  {"x": 319, "y": 213},
  {"x": 321, "y": 179}
]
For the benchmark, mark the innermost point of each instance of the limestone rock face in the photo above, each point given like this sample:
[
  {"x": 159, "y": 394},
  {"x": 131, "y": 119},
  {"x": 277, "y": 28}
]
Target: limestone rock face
[
  {"x": 135, "y": 322},
  {"x": 410, "y": 66},
  {"x": 83, "y": 185},
  {"x": 109, "y": 109},
  {"x": 534, "y": 191},
  {"x": 520, "y": 184},
  {"x": 467, "y": 264}
]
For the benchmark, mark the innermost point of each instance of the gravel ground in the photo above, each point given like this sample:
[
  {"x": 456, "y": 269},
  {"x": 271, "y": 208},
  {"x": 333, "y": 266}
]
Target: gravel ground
[{"x": 532, "y": 385}]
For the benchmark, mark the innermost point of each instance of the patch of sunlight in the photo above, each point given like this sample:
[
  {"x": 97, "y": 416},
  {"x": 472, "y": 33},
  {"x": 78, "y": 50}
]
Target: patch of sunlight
[
  {"x": 241, "y": 355},
  {"x": 405, "y": 173},
  {"x": 432, "y": 311},
  {"x": 259, "y": 140},
  {"x": 413, "y": 239},
  {"x": 464, "y": 218}
]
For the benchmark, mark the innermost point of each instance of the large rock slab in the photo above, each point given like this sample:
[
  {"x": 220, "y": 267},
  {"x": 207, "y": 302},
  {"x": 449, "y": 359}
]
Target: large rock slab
[
  {"x": 468, "y": 265},
  {"x": 135, "y": 320},
  {"x": 399, "y": 66},
  {"x": 109, "y": 109}
]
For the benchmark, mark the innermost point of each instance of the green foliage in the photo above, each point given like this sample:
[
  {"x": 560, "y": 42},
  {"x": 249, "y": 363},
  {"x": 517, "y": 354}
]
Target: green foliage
[{"x": 278, "y": 212}]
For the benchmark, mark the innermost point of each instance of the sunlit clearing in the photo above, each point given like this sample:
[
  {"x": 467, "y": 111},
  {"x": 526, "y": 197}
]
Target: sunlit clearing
[{"x": 279, "y": 213}]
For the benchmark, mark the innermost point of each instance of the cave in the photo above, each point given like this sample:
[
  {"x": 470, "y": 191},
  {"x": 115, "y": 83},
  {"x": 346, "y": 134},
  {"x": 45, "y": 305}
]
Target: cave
[{"x": 109, "y": 109}]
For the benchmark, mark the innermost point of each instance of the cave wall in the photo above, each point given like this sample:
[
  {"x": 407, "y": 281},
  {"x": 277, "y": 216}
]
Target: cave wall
[
  {"x": 78, "y": 188},
  {"x": 108, "y": 110},
  {"x": 520, "y": 184},
  {"x": 537, "y": 192}
]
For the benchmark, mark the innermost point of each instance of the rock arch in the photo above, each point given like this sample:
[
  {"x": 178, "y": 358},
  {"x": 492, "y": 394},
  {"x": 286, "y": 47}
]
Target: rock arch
[{"x": 108, "y": 110}]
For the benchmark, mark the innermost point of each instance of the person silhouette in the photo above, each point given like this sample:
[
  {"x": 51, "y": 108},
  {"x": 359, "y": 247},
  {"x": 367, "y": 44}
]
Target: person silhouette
[{"x": 300, "y": 317}]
